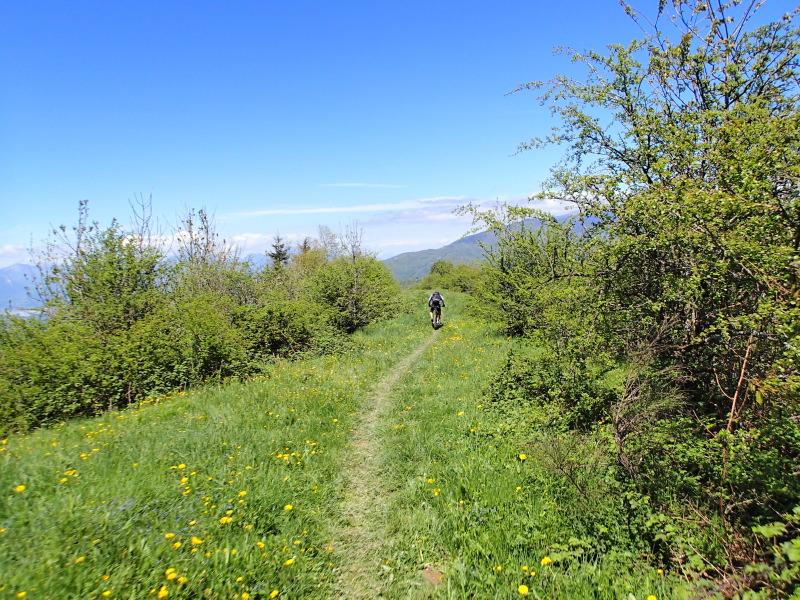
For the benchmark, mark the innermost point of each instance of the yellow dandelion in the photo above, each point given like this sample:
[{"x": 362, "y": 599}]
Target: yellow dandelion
[
  {"x": 498, "y": 568},
  {"x": 169, "y": 536},
  {"x": 80, "y": 559},
  {"x": 243, "y": 493},
  {"x": 171, "y": 576},
  {"x": 224, "y": 520},
  {"x": 20, "y": 488},
  {"x": 288, "y": 562},
  {"x": 22, "y": 595},
  {"x": 245, "y": 596},
  {"x": 274, "y": 594},
  {"x": 260, "y": 544},
  {"x": 546, "y": 561},
  {"x": 195, "y": 541},
  {"x": 182, "y": 579},
  {"x": 651, "y": 597},
  {"x": 107, "y": 593},
  {"x": 523, "y": 590},
  {"x": 523, "y": 456},
  {"x": 288, "y": 507},
  {"x": 163, "y": 592},
  {"x": 176, "y": 545}
]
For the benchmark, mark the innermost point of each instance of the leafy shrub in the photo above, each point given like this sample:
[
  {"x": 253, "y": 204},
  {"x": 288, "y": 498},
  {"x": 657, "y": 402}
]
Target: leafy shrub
[
  {"x": 444, "y": 275},
  {"x": 53, "y": 370},
  {"x": 359, "y": 290},
  {"x": 287, "y": 328},
  {"x": 562, "y": 392}
]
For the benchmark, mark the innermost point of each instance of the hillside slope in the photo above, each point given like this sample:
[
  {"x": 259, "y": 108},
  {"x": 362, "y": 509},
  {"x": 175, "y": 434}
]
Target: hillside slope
[{"x": 415, "y": 265}]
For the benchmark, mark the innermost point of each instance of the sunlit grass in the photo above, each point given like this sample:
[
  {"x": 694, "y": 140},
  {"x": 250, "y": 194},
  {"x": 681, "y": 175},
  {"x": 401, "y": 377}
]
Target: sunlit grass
[{"x": 237, "y": 491}]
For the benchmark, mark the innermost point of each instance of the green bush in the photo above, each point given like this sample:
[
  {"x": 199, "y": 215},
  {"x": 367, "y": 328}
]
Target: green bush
[
  {"x": 286, "y": 328},
  {"x": 359, "y": 291},
  {"x": 54, "y": 370}
]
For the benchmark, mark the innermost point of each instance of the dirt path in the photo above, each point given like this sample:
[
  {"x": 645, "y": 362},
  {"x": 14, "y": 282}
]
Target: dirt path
[{"x": 364, "y": 533}]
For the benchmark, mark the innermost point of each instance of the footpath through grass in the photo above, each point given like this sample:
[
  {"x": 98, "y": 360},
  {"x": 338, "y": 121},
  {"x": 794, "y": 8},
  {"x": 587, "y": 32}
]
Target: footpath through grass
[{"x": 375, "y": 473}]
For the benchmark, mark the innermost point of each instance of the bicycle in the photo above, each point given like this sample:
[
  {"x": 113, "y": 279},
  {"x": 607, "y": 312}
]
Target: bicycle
[{"x": 437, "y": 316}]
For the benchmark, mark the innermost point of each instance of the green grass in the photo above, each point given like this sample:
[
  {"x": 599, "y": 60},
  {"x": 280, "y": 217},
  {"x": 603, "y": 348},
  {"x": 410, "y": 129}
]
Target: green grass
[{"x": 238, "y": 491}]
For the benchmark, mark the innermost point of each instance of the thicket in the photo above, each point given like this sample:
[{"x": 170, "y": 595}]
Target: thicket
[
  {"x": 460, "y": 277},
  {"x": 123, "y": 319},
  {"x": 663, "y": 320}
]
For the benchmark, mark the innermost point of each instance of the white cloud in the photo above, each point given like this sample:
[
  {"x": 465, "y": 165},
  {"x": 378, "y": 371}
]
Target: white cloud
[
  {"x": 360, "y": 208},
  {"x": 11, "y": 254}
]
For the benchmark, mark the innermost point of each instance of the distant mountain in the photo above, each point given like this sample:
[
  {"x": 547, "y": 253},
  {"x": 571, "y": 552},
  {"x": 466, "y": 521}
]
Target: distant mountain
[
  {"x": 13, "y": 283},
  {"x": 415, "y": 265}
]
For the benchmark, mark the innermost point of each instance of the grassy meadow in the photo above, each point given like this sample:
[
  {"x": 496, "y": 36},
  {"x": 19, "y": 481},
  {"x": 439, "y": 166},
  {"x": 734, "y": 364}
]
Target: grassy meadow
[{"x": 245, "y": 490}]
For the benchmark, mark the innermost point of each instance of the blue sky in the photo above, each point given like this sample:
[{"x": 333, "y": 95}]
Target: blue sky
[{"x": 278, "y": 117}]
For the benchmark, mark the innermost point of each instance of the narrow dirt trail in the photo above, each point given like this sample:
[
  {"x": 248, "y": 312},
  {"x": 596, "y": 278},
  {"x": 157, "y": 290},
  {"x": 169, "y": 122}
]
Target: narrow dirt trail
[{"x": 365, "y": 515}]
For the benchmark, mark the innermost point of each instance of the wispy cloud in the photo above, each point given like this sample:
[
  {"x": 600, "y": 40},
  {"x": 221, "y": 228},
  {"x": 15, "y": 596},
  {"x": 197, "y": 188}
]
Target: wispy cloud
[
  {"x": 360, "y": 208},
  {"x": 362, "y": 185}
]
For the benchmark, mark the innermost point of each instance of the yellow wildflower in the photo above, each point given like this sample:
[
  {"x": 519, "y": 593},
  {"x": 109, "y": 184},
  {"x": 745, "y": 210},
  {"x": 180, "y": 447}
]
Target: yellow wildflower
[
  {"x": 523, "y": 590},
  {"x": 288, "y": 507},
  {"x": 19, "y": 488},
  {"x": 546, "y": 561}
]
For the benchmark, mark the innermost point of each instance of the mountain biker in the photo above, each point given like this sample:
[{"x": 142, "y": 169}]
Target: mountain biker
[{"x": 435, "y": 301}]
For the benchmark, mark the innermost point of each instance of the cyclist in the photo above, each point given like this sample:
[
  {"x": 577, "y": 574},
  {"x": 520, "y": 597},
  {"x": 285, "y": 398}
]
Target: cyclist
[{"x": 435, "y": 304}]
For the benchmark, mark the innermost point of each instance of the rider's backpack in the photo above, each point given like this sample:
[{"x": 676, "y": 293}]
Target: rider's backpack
[{"x": 436, "y": 298}]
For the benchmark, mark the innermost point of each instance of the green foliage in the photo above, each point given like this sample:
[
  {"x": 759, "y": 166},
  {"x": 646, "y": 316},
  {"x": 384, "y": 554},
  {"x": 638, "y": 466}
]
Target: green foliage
[
  {"x": 57, "y": 370},
  {"x": 682, "y": 159},
  {"x": 287, "y": 328},
  {"x": 461, "y": 277},
  {"x": 554, "y": 391},
  {"x": 782, "y": 576},
  {"x": 122, "y": 322},
  {"x": 280, "y": 253},
  {"x": 359, "y": 290}
]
